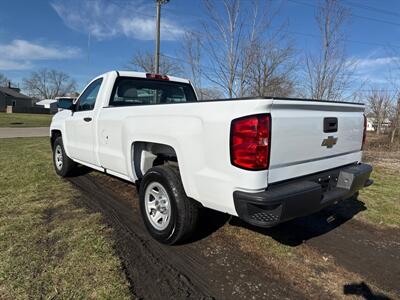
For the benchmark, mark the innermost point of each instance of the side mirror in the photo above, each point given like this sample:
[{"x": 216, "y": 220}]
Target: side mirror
[{"x": 66, "y": 104}]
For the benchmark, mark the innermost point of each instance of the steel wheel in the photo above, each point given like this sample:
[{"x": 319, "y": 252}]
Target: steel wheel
[
  {"x": 58, "y": 157},
  {"x": 158, "y": 206}
]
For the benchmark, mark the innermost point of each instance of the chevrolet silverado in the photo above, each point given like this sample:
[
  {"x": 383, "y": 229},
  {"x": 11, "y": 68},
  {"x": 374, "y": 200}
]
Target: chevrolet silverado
[{"x": 266, "y": 160}]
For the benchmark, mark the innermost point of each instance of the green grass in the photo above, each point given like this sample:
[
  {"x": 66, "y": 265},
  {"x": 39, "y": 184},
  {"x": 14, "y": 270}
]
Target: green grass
[
  {"x": 383, "y": 197},
  {"x": 24, "y": 120},
  {"x": 49, "y": 247}
]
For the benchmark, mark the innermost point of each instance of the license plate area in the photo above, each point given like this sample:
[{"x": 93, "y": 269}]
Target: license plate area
[{"x": 327, "y": 182}]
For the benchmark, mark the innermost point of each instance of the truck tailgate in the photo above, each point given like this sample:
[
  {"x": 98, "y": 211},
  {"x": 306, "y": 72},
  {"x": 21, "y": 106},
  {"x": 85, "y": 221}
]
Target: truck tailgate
[{"x": 312, "y": 136}]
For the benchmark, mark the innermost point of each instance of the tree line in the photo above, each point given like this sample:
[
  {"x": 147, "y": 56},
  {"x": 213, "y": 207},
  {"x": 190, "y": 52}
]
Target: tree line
[
  {"x": 45, "y": 84},
  {"x": 242, "y": 51},
  {"x": 250, "y": 54}
]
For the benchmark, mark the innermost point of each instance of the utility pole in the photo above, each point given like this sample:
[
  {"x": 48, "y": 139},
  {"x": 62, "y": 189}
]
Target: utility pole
[{"x": 157, "y": 54}]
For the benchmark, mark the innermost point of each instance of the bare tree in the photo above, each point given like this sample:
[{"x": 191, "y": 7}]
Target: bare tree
[
  {"x": 3, "y": 80},
  {"x": 228, "y": 37},
  {"x": 395, "y": 120},
  {"x": 379, "y": 104},
  {"x": 145, "y": 62},
  {"x": 234, "y": 42},
  {"x": 48, "y": 84},
  {"x": 272, "y": 73},
  {"x": 209, "y": 93},
  {"x": 222, "y": 43},
  {"x": 192, "y": 50},
  {"x": 329, "y": 72},
  {"x": 394, "y": 72}
]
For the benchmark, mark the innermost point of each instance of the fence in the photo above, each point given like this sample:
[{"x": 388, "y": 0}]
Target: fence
[{"x": 29, "y": 110}]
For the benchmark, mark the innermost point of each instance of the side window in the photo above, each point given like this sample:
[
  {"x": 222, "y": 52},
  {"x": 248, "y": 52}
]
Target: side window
[{"x": 88, "y": 98}]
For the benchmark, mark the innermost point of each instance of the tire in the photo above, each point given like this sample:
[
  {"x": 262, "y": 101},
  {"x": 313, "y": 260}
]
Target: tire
[
  {"x": 63, "y": 165},
  {"x": 177, "y": 216}
]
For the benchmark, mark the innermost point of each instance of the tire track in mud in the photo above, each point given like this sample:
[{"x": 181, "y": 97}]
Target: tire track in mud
[
  {"x": 150, "y": 277},
  {"x": 371, "y": 252},
  {"x": 204, "y": 269}
]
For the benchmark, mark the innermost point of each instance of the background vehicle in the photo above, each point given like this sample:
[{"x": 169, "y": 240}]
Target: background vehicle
[{"x": 265, "y": 160}]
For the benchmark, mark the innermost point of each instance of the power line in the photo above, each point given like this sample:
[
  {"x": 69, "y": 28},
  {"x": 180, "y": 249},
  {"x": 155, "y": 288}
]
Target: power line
[
  {"x": 354, "y": 15},
  {"x": 304, "y": 33},
  {"x": 119, "y": 3},
  {"x": 342, "y": 39},
  {"x": 316, "y": 36},
  {"x": 372, "y": 8}
]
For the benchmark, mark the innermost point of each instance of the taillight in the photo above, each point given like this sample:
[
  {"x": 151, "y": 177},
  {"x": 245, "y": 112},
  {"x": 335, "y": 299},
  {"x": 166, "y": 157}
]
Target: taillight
[
  {"x": 364, "y": 132},
  {"x": 156, "y": 76},
  {"x": 250, "y": 142}
]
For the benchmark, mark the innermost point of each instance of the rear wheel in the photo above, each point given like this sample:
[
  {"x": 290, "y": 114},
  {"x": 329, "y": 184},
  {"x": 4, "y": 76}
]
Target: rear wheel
[
  {"x": 168, "y": 214},
  {"x": 63, "y": 165}
]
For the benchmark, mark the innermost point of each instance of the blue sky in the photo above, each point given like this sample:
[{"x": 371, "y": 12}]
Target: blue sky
[{"x": 55, "y": 33}]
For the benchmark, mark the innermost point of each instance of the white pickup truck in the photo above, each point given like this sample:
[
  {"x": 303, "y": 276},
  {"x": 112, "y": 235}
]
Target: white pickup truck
[{"x": 266, "y": 160}]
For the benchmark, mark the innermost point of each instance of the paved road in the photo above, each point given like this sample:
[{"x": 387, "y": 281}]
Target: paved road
[{"x": 23, "y": 132}]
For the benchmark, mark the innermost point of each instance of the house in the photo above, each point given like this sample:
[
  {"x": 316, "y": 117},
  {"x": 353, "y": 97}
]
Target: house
[
  {"x": 372, "y": 124},
  {"x": 12, "y": 96}
]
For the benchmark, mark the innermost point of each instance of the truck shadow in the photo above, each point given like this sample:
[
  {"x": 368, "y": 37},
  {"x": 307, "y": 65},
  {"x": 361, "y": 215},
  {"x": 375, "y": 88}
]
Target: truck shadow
[
  {"x": 295, "y": 232},
  {"x": 291, "y": 233},
  {"x": 209, "y": 222},
  {"x": 363, "y": 290},
  {"x": 80, "y": 171}
]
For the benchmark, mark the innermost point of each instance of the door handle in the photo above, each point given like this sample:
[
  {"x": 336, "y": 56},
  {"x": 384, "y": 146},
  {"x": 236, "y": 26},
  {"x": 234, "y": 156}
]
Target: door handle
[{"x": 87, "y": 119}]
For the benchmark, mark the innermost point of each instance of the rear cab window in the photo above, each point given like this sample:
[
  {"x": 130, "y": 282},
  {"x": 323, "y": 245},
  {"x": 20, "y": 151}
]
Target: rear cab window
[{"x": 130, "y": 91}]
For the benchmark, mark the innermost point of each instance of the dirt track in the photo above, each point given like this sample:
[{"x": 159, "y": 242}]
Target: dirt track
[{"x": 213, "y": 266}]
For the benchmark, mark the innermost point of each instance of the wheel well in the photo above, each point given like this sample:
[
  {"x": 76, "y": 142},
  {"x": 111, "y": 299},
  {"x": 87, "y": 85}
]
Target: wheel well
[
  {"x": 54, "y": 135},
  {"x": 147, "y": 155}
]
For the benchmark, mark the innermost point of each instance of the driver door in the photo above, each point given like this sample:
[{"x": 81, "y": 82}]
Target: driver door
[{"x": 81, "y": 126}]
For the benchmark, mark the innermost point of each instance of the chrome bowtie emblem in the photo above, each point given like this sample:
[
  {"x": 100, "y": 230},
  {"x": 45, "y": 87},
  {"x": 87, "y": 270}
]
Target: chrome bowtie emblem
[{"x": 329, "y": 142}]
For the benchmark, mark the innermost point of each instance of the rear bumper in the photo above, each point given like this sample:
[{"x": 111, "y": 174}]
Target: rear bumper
[{"x": 300, "y": 197}]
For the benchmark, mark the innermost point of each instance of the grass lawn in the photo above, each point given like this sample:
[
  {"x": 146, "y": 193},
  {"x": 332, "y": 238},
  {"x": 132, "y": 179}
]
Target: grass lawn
[
  {"x": 49, "y": 247},
  {"x": 24, "y": 120},
  {"x": 383, "y": 197}
]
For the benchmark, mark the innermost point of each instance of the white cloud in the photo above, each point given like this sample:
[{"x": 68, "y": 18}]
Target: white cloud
[
  {"x": 144, "y": 29},
  {"x": 19, "y": 54},
  {"x": 86, "y": 16},
  {"x": 14, "y": 65},
  {"x": 376, "y": 69},
  {"x": 104, "y": 19},
  {"x": 377, "y": 62},
  {"x": 21, "y": 49}
]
